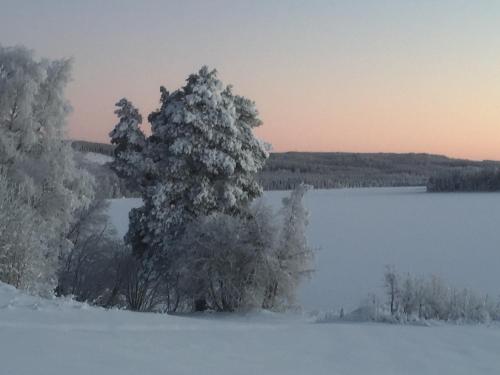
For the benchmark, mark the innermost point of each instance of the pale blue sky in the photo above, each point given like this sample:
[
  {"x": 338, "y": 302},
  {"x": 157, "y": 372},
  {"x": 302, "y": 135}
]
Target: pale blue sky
[{"x": 326, "y": 75}]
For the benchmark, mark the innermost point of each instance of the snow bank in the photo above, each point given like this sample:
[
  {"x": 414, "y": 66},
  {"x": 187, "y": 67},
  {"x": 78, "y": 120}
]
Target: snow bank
[{"x": 12, "y": 299}]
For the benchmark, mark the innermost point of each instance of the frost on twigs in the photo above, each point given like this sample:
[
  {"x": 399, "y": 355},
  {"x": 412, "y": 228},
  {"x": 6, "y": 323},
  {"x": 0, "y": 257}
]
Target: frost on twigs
[
  {"x": 40, "y": 185},
  {"x": 197, "y": 232}
]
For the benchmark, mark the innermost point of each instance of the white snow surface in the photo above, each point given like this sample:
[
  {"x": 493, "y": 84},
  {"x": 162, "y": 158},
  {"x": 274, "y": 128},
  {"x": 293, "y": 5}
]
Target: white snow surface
[
  {"x": 118, "y": 211},
  {"x": 63, "y": 337},
  {"x": 93, "y": 157},
  {"x": 357, "y": 232}
]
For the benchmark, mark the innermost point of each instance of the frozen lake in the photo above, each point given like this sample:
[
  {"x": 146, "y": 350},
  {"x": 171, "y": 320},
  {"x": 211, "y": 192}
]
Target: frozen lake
[{"x": 359, "y": 231}]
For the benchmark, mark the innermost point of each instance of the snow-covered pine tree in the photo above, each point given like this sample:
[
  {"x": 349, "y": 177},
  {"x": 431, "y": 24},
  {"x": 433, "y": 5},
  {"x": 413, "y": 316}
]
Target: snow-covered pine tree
[
  {"x": 202, "y": 138},
  {"x": 201, "y": 158},
  {"x": 205, "y": 155},
  {"x": 33, "y": 154},
  {"x": 130, "y": 142}
]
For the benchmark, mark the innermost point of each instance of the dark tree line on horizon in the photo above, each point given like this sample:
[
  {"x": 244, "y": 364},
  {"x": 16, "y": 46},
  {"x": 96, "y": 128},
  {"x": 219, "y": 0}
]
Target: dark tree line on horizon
[
  {"x": 331, "y": 170},
  {"x": 466, "y": 181}
]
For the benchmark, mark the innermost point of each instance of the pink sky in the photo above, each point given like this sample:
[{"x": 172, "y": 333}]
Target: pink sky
[{"x": 359, "y": 75}]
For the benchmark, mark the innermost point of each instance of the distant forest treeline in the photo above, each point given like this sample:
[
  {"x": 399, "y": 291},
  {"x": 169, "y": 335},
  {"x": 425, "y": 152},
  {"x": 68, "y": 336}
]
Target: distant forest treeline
[
  {"x": 484, "y": 180},
  {"x": 336, "y": 170},
  {"x": 326, "y": 170},
  {"x": 98, "y": 148}
]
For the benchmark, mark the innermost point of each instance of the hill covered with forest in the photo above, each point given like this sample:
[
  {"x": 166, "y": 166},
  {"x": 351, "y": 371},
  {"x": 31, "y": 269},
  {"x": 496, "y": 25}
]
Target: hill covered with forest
[{"x": 326, "y": 170}]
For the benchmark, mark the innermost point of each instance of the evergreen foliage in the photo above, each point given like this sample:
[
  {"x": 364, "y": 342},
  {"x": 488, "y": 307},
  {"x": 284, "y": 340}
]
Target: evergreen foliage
[
  {"x": 483, "y": 180},
  {"x": 199, "y": 240}
]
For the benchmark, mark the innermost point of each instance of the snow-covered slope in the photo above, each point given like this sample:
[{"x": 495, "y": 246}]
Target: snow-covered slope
[
  {"x": 359, "y": 231},
  {"x": 60, "y": 337},
  {"x": 93, "y": 157}
]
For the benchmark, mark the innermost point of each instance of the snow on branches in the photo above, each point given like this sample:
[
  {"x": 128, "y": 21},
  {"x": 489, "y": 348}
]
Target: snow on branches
[
  {"x": 197, "y": 230},
  {"x": 37, "y": 165}
]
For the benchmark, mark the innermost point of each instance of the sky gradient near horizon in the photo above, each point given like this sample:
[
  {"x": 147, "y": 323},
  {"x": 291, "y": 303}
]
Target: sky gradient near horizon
[{"x": 352, "y": 75}]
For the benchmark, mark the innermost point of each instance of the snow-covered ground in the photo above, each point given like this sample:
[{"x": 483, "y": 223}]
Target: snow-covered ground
[
  {"x": 96, "y": 158},
  {"x": 359, "y": 231},
  {"x": 59, "y": 337}
]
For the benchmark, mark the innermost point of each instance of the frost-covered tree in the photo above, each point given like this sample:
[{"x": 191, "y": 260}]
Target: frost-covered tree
[
  {"x": 201, "y": 158},
  {"x": 391, "y": 283},
  {"x": 413, "y": 298},
  {"x": 409, "y": 295},
  {"x": 130, "y": 142},
  {"x": 293, "y": 256},
  {"x": 199, "y": 239},
  {"x": 205, "y": 156},
  {"x": 23, "y": 250},
  {"x": 33, "y": 154}
]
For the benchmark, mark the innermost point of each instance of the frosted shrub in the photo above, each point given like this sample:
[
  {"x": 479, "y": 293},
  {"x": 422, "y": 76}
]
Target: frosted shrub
[
  {"x": 413, "y": 298},
  {"x": 226, "y": 260},
  {"x": 221, "y": 262},
  {"x": 248, "y": 261}
]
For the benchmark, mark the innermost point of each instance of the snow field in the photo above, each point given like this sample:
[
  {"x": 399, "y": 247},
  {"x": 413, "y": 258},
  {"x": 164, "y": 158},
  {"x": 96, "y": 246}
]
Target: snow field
[
  {"x": 60, "y": 337},
  {"x": 357, "y": 232}
]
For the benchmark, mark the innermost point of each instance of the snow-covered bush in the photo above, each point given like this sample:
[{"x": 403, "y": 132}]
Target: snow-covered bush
[
  {"x": 248, "y": 261},
  {"x": 416, "y": 298},
  {"x": 145, "y": 290},
  {"x": 36, "y": 161},
  {"x": 225, "y": 259}
]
